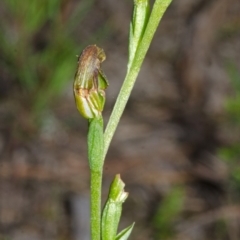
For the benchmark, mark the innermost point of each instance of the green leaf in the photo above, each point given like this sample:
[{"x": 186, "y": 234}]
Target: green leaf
[{"x": 125, "y": 233}]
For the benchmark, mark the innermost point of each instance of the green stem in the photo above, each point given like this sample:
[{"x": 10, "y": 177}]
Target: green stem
[
  {"x": 96, "y": 186},
  {"x": 95, "y": 156},
  {"x": 158, "y": 10}
]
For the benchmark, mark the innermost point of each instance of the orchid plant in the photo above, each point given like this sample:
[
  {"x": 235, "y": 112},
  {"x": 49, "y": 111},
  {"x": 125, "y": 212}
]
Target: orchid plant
[{"x": 89, "y": 90}]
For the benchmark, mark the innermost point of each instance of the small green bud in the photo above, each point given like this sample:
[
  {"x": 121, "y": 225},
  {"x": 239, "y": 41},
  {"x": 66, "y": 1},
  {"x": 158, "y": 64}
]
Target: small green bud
[
  {"x": 113, "y": 209},
  {"x": 90, "y": 82},
  {"x": 117, "y": 193},
  {"x": 141, "y": 13}
]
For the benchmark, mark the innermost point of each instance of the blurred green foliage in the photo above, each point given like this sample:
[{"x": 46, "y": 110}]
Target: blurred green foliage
[
  {"x": 37, "y": 49},
  {"x": 167, "y": 213},
  {"x": 233, "y": 103},
  {"x": 231, "y": 153}
]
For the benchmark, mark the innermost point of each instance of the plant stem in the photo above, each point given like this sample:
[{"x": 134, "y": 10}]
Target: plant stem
[
  {"x": 158, "y": 10},
  {"x": 95, "y": 153},
  {"x": 96, "y": 186}
]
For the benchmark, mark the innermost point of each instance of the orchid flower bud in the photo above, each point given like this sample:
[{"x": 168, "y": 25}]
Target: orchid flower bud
[{"x": 90, "y": 82}]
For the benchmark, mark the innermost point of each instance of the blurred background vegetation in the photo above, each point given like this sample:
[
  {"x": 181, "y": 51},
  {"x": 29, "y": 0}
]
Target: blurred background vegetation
[{"x": 177, "y": 147}]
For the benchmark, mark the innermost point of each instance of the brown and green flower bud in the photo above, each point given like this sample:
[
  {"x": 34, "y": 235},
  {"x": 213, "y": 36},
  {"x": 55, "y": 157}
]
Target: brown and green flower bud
[{"x": 90, "y": 82}]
